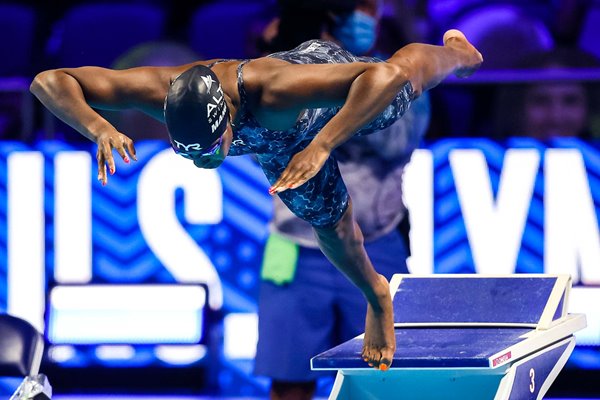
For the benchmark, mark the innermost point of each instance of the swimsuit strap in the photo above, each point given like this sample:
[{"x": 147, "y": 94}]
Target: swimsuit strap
[
  {"x": 240, "y": 83},
  {"x": 222, "y": 60},
  {"x": 244, "y": 114}
]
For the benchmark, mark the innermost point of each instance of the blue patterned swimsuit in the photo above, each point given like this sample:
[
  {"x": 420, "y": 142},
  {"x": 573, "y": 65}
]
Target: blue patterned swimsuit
[{"x": 323, "y": 199}]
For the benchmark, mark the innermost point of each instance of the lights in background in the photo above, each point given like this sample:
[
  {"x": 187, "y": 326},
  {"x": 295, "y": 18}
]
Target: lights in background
[
  {"x": 180, "y": 355},
  {"x": 240, "y": 335},
  {"x": 126, "y": 314}
]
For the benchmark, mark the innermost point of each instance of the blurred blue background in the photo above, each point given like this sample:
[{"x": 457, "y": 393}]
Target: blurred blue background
[{"x": 68, "y": 245}]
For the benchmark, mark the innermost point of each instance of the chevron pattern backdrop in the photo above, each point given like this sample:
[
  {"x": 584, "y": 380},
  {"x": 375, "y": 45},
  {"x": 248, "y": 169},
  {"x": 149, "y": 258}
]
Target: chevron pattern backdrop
[
  {"x": 452, "y": 251},
  {"x": 122, "y": 253}
]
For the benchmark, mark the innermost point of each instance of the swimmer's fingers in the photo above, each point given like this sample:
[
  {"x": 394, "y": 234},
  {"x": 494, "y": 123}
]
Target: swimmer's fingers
[
  {"x": 281, "y": 184},
  {"x": 124, "y": 145},
  {"x": 302, "y": 167},
  {"x": 297, "y": 181},
  {"x": 131, "y": 148},
  {"x": 293, "y": 176},
  {"x": 101, "y": 159},
  {"x": 104, "y": 156},
  {"x": 278, "y": 185}
]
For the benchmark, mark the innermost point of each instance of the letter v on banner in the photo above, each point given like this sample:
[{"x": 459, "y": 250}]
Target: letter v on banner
[{"x": 495, "y": 227}]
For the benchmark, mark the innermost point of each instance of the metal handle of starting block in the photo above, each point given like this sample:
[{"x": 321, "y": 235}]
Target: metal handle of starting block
[{"x": 33, "y": 388}]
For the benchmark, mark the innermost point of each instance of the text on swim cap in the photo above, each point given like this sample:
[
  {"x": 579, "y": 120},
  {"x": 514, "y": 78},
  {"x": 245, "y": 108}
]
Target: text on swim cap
[
  {"x": 218, "y": 106},
  {"x": 216, "y": 124},
  {"x": 210, "y": 107},
  {"x": 208, "y": 81},
  {"x": 188, "y": 147}
]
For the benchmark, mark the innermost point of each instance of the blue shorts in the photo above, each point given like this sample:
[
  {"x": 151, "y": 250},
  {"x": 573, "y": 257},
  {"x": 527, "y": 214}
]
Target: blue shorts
[{"x": 319, "y": 309}]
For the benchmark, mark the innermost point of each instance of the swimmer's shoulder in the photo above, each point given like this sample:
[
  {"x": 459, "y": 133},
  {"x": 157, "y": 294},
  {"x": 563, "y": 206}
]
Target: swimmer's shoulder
[{"x": 259, "y": 72}]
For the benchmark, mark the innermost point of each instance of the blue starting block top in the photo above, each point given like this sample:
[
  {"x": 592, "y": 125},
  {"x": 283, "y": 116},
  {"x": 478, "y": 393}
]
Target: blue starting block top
[
  {"x": 520, "y": 300},
  {"x": 430, "y": 348},
  {"x": 460, "y": 347},
  {"x": 467, "y": 321}
]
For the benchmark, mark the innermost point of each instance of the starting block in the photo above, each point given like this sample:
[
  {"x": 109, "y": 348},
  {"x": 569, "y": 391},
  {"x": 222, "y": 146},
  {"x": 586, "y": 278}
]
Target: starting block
[{"x": 465, "y": 337}]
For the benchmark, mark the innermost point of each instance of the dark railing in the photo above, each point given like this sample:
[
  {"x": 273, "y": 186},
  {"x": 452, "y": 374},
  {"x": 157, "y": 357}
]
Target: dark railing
[{"x": 520, "y": 76}]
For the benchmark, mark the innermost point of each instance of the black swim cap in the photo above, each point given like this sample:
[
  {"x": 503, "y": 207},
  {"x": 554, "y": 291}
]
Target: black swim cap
[{"x": 195, "y": 110}]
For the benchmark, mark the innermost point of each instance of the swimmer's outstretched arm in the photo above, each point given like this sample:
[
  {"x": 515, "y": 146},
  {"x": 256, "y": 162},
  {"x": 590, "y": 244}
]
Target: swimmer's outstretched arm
[
  {"x": 368, "y": 93},
  {"x": 362, "y": 89},
  {"x": 73, "y": 94}
]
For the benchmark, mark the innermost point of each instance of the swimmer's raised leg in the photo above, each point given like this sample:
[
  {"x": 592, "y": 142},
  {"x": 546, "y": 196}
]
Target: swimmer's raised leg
[
  {"x": 424, "y": 66},
  {"x": 427, "y": 65}
]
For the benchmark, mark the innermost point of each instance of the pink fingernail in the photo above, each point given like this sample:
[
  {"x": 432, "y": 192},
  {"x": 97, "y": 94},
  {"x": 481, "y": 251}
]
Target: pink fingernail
[{"x": 126, "y": 159}]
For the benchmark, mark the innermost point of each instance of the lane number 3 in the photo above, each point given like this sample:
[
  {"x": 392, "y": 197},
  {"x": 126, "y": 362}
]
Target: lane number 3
[{"x": 532, "y": 377}]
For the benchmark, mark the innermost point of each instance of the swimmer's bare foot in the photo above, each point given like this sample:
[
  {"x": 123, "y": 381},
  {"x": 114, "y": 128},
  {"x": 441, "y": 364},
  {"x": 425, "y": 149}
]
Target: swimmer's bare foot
[
  {"x": 379, "y": 342},
  {"x": 471, "y": 58}
]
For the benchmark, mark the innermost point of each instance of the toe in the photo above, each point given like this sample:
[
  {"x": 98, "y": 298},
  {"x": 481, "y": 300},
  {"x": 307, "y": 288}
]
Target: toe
[
  {"x": 453, "y": 34},
  {"x": 369, "y": 358},
  {"x": 387, "y": 355}
]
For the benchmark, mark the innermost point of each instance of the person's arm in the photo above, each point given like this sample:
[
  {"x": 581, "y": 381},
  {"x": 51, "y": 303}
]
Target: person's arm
[
  {"x": 372, "y": 89},
  {"x": 72, "y": 94},
  {"x": 363, "y": 90}
]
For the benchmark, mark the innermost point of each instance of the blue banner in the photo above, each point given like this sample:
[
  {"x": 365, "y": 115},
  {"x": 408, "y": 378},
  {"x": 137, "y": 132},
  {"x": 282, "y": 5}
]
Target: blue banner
[{"x": 476, "y": 205}]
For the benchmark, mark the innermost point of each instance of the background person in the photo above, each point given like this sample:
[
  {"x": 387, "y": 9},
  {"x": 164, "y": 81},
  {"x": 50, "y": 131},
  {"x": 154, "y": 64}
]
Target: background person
[
  {"x": 549, "y": 109},
  {"x": 296, "y": 277}
]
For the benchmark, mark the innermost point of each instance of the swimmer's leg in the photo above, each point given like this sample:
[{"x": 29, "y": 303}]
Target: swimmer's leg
[
  {"x": 427, "y": 65},
  {"x": 323, "y": 201},
  {"x": 343, "y": 246}
]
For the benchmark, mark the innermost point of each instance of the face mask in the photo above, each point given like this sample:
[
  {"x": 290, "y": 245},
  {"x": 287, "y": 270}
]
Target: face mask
[{"x": 356, "y": 32}]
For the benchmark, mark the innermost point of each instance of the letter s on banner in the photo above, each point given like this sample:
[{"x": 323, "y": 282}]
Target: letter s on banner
[{"x": 165, "y": 236}]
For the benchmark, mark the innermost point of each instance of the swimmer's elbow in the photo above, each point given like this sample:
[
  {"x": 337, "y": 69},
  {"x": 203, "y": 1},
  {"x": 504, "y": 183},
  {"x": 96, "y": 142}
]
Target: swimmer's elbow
[
  {"x": 392, "y": 76},
  {"x": 40, "y": 82},
  {"x": 399, "y": 76},
  {"x": 45, "y": 82}
]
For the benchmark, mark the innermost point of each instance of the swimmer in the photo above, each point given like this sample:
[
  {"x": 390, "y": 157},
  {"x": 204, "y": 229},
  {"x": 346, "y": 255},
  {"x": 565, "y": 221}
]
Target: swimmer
[{"x": 290, "y": 109}]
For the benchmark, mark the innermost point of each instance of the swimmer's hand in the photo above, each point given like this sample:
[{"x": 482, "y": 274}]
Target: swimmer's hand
[
  {"x": 106, "y": 142},
  {"x": 303, "y": 166}
]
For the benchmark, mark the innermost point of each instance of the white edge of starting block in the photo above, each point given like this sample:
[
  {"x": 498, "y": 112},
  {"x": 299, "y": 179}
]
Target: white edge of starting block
[
  {"x": 397, "y": 278},
  {"x": 463, "y": 325},
  {"x": 537, "y": 339},
  {"x": 557, "y": 367},
  {"x": 395, "y": 283},
  {"x": 337, "y": 385},
  {"x": 507, "y": 383},
  {"x": 479, "y": 276},
  {"x": 562, "y": 287}
]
